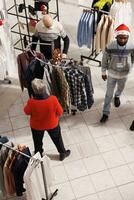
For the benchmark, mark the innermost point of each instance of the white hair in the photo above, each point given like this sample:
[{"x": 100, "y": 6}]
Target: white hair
[{"x": 38, "y": 86}]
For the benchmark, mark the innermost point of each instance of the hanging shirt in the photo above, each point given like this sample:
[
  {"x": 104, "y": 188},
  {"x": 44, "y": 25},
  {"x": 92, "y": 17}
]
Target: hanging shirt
[
  {"x": 34, "y": 180},
  {"x": 63, "y": 92},
  {"x": 18, "y": 170},
  {"x": 98, "y": 34},
  {"x": 101, "y": 3},
  {"x": 104, "y": 34},
  {"x": 76, "y": 81},
  {"x": 3, "y": 156},
  {"x": 121, "y": 13},
  {"x": 8, "y": 175},
  {"x": 111, "y": 32}
]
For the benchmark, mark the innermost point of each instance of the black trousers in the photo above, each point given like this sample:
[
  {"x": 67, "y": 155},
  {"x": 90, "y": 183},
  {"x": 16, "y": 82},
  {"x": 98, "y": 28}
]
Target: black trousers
[
  {"x": 47, "y": 50},
  {"x": 55, "y": 135}
]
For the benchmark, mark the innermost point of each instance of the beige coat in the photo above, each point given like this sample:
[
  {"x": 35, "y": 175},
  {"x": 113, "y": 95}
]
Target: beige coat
[
  {"x": 111, "y": 34},
  {"x": 98, "y": 34},
  {"x": 104, "y": 34}
]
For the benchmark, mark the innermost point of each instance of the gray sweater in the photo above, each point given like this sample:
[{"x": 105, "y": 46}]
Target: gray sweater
[{"x": 118, "y": 59}]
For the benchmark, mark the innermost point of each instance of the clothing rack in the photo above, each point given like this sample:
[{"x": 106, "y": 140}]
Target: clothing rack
[
  {"x": 43, "y": 172},
  {"x": 16, "y": 29},
  {"x": 93, "y": 54}
]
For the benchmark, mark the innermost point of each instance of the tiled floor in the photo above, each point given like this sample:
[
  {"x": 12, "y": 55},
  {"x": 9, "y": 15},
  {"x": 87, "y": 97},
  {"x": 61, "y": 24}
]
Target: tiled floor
[{"x": 101, "y": 164}]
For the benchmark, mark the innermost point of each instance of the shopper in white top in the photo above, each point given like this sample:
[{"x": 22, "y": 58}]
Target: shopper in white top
[{"x": 50, "y": 31}]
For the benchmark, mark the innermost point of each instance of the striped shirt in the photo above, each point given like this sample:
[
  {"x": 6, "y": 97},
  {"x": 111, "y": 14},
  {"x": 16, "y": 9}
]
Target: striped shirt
[{"x": 49, "y": 34}]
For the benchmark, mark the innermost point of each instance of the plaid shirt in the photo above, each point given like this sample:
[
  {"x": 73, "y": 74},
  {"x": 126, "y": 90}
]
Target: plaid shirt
[{"x": 75, "y": 79}]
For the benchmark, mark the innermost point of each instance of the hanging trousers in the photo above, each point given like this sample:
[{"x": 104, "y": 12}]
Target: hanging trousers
[{"x": 55, "y": 135}]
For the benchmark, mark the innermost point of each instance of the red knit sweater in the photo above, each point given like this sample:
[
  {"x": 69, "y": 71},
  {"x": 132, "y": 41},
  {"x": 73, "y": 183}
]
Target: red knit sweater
[{"x": 44, "y": 113}]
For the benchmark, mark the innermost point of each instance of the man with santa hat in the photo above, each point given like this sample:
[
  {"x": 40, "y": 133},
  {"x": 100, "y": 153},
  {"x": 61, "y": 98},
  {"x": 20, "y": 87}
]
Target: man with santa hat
[{"x": 117, "y": 61}]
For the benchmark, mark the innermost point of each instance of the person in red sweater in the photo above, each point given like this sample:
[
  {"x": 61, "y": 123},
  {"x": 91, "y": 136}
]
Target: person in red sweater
[{"x": 45, "y": 112}]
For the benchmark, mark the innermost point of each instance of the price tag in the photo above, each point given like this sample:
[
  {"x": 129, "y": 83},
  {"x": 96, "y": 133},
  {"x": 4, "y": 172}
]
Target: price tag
[{"x": 119, "y": 65}]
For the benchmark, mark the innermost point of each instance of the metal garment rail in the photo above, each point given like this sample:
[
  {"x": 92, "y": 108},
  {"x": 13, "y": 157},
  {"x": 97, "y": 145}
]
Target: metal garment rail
[
  {"x": 93, "y": 54},
  {"x": 42, "y": 168},
  {"x": 16, "y": 29}
]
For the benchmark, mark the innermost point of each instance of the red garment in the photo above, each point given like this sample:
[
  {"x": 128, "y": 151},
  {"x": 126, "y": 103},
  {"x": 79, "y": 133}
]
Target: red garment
[{"x": 44, "y": 113}]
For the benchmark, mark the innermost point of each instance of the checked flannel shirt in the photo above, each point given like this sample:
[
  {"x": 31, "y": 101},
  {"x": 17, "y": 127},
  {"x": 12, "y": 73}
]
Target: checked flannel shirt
[{"x": 75, "y": 79}]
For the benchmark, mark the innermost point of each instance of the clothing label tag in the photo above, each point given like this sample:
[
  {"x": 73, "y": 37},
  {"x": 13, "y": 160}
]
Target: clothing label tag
[{"x": 119, "y": 65}]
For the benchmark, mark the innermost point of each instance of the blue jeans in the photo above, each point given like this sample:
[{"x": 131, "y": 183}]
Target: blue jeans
[{"x": 111, "y": 83}]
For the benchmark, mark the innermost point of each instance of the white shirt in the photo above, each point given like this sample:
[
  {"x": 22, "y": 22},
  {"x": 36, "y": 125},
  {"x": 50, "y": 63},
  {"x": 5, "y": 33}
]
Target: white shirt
[{"x": 34, "y": 180}]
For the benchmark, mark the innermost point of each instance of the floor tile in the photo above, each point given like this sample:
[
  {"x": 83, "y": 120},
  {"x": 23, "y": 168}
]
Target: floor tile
[
  {"x": 128, "y": 153},
  {"x": 18, "y": 101},
  {"x": 113, "y": 158},
  {"x": 115, "y": 125},
  {"x": 54, "y": 156},
  {"x": 5, "y": 125},
  {"x": 102, "y": 180},
  {"x": 80, "y": 134},
  {"x": 64, "y": 191},
  {"x": 123, "y": 138},
  {"x": 75, "y": 121},
  {"x": 82, "y": 186},
  {"x": 98, "y": 131},
  {"x": 94, "y": 164},
  {"x": 87, "y": 149},
  {"x": 127, "y": 191},
  {"x": 67, "y": 137},
  {"x": 91, "y": 117},
  {"x": 105, "y": 143},
  {"x": 90, "y": 197},
  {"x": 122, "y": 175},
  {"x": 4, "y": 114},
  {"x": 112, "y": 194},
  {"x": 75, "y": 169},
  {"x": 60, "y": 175},
  {"x": 23, "y": 135},
  {"x": 19, "y": 122},
  {"x": 129, "y": 94},
  {"x": 48, "y": 143},
  {"x": 16, "y": 109},
  {"x": 126, "y": 109},
  {"x": 63, "y": 123}
]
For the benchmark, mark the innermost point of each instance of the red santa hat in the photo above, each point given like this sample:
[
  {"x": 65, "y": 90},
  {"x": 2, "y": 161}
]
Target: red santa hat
[{"x": 122, "y": 30}]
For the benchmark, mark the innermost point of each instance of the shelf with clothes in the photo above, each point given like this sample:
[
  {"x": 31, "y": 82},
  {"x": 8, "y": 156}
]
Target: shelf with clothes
[
  {"x": 87, "y": 30},
  {"x": 17, "y": 164},
  {"x": 25, "y": 19}
]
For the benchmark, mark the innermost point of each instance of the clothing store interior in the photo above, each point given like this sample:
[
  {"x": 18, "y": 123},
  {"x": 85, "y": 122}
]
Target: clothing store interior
[{"x": 66, "y": 100}]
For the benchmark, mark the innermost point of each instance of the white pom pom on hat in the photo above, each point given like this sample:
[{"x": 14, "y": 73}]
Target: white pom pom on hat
[{"x": 122, "y": 30}]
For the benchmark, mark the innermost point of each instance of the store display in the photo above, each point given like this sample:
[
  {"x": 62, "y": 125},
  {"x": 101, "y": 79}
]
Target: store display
[
  {"x": 6, "y": 49},
  {"x": 36, "y": 12}
]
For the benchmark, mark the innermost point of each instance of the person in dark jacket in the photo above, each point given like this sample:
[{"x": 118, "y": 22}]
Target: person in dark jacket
[
  {"x": 50, "y": 32},
  {"x": 44, "y": 114}
]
